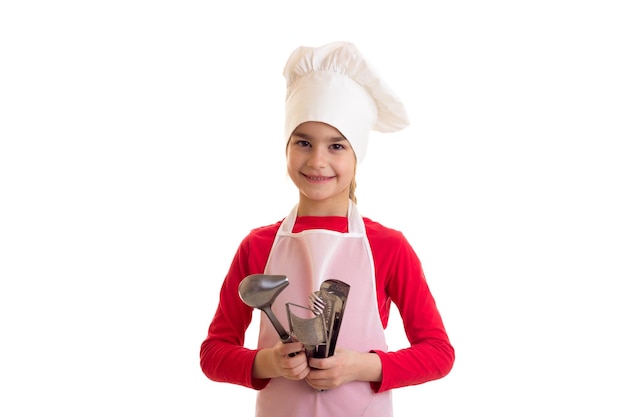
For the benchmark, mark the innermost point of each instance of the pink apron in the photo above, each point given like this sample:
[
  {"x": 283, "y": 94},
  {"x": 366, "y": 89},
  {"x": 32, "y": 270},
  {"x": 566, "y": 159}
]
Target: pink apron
[{"x": 307, "y": 259}]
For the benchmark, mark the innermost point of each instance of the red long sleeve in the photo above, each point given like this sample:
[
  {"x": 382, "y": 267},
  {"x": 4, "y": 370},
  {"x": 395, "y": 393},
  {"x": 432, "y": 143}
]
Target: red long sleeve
[{"x": 399, "y": 279}]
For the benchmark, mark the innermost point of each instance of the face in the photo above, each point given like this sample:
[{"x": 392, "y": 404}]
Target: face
[{"x": 321, "y": 163}]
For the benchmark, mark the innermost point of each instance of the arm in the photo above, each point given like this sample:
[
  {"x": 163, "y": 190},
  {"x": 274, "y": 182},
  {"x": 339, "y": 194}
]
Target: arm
[
  {"x": 222, "y": 355},
  {"x": 401, "y": 280},
  {"x": 223, "y": 358}
]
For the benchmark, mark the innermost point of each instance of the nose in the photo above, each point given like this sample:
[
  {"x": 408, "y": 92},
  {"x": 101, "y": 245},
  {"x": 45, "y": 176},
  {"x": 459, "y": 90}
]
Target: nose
[{"x": 317, "y": 158}]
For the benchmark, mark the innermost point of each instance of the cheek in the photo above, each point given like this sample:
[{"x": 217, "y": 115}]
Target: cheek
[
  {"x": 292, "y": 166},
  {"x": 348, "y": 168}
]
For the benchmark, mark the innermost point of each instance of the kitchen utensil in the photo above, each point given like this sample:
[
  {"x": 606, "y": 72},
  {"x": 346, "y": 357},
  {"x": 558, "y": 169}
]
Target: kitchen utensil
[
  {"x": 310, "y": 329},
  {"x": 339, "y": 290},
  {"x": 323, "y": 304},
  {"x": 260, "y": 291},
  {"x": 317, "y": 303}
]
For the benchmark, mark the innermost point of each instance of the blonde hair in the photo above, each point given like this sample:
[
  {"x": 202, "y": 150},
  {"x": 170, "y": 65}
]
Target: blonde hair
[{"x": 352, "y": 194}]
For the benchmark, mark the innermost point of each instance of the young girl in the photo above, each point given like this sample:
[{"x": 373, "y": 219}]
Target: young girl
[{"x": 334, "y": 99}]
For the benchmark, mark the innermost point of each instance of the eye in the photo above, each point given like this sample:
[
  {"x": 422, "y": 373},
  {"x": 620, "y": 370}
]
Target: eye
[
  {"x": 337, "y": 147},
  {"x": 302, "y": 143}
]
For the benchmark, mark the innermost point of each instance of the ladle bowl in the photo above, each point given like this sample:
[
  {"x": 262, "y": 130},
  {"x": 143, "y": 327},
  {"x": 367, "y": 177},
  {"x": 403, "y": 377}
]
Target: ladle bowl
[{"x": 259, "y": 291}]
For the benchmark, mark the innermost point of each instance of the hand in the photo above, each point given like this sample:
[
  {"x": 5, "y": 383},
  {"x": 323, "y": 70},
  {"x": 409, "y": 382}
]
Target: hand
[
  {"x": 278, "y": 361},
  {"x": 343, "y": 367},
  {"x": 327, "y": 373}
]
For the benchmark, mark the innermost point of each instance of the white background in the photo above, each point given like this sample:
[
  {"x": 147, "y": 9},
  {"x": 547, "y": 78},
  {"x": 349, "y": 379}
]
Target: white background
[{"x": 141, "y": 141}]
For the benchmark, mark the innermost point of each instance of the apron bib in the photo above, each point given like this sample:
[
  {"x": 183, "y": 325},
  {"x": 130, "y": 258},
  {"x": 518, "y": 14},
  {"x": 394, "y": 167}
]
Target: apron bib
[{"x": 307, "y": 259}]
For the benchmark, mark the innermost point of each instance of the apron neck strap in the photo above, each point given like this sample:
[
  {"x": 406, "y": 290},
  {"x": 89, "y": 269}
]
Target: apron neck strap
[{"x": 355, "y": 222}]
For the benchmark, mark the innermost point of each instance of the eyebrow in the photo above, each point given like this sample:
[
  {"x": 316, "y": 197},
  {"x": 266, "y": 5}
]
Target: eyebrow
[{"x": 304, "y": 136}]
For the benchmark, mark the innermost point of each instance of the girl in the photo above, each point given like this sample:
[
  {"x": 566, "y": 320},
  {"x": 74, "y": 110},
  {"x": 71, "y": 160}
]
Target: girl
[{"x": 334, "y": 99}]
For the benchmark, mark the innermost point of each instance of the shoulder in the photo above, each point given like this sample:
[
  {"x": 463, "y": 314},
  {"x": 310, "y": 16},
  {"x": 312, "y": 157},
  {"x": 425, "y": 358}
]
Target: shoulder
[
  {"x": 387, "y": 241},
  {"x": 262, "y": 234},
  {"x": 381, "y": 232},
  {"x": 254, "y": 249}
]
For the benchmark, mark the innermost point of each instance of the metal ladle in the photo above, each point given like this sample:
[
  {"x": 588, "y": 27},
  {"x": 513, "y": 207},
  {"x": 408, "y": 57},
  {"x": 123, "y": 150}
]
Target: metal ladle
[{"x": 260, "y": 291}]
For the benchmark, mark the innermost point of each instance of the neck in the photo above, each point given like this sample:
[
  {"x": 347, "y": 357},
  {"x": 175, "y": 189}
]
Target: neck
[{"x": 308, "y": 207}]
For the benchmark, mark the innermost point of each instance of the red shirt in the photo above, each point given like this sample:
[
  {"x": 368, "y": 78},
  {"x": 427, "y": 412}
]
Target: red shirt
[{"x": 399, "y": 279}]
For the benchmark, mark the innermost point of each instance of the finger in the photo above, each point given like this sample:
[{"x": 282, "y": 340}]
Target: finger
[
  {"x": 298, "y": 372},
  {"x": 314, "y": 383},
  {"x": 293, "y": 347},
  {"x": 320, "y": 363}
]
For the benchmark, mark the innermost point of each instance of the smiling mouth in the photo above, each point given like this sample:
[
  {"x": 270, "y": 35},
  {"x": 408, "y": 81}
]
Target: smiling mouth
[{"x": 317, "y": 178}]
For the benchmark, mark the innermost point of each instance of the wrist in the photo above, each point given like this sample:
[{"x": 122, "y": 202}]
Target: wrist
[
  {"x": 263, "y": 366},
  {"x": 369, "y": 367}
]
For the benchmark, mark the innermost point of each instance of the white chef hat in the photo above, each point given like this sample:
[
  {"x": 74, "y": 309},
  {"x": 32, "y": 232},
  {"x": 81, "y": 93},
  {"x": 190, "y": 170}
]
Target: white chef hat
[{"x": 336, "y": 85}]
